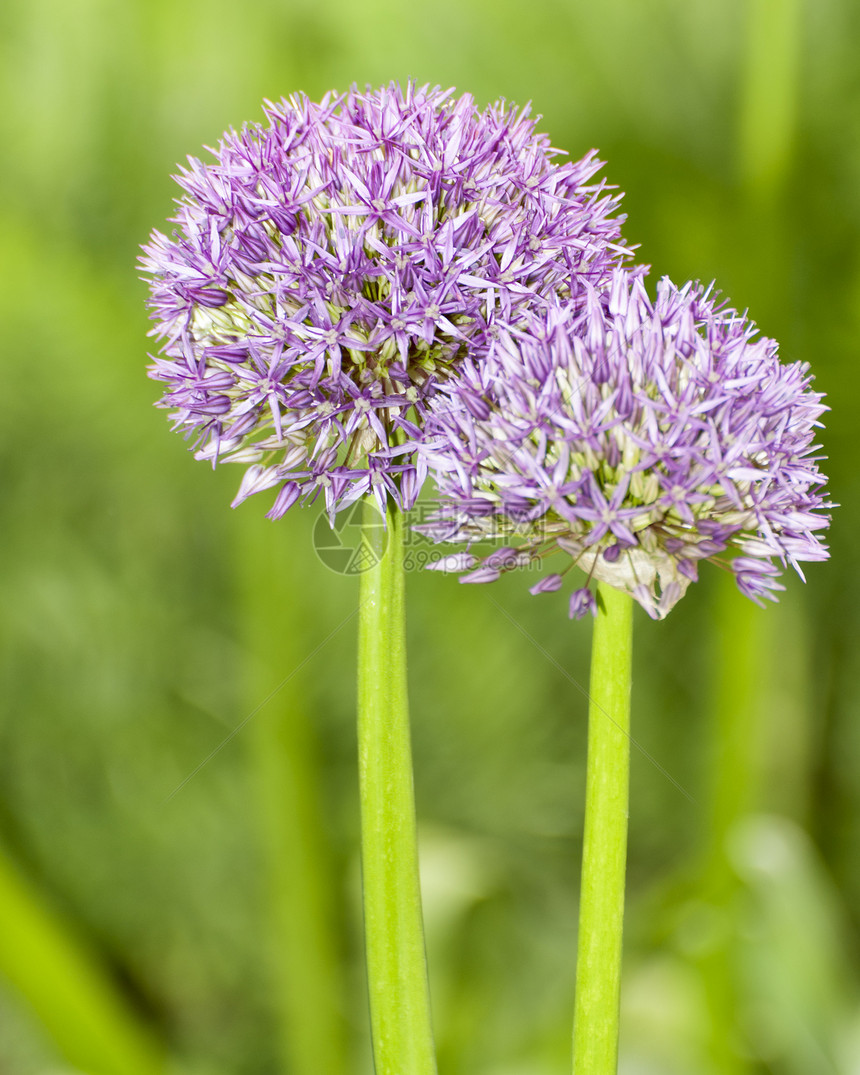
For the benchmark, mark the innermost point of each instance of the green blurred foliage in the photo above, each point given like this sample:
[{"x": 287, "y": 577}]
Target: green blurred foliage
[{"x": 141, "y": 621}]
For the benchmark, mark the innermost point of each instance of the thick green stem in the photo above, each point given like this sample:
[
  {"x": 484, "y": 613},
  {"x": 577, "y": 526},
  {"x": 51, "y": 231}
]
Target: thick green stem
[
  {"x": 604, "y": 851},
  {"x": 396, "y": 961}
]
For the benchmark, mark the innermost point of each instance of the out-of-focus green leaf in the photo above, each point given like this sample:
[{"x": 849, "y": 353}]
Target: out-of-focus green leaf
[{"x": 69, "y": 991}]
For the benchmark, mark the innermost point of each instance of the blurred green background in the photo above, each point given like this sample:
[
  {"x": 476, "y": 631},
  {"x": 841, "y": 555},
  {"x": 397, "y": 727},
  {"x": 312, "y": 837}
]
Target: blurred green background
[{"x": 150, "y": 922}]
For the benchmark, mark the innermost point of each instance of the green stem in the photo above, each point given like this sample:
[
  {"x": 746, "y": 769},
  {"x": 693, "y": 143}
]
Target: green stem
[
  {"x": 604, "y": 851},
  {"x": 396, "y": 961}
]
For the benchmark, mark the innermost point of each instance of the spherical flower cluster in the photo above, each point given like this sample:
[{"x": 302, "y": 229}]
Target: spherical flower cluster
[
  {"x": 329, "y": 271},
  {"x": 637, "y": 441}
]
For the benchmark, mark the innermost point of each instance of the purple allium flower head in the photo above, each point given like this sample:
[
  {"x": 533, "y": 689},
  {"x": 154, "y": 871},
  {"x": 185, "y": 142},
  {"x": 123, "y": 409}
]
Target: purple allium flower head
[
  {"x": 330, "y": 270},
  {"x": 636, "y": 441}
]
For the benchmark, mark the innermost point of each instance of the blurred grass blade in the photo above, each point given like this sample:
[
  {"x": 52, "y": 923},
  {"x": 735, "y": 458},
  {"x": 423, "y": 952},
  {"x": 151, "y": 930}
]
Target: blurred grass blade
[
  {"x": 769, "y": 92},
  {"x": 741, "y": 642},
  {"x": 71, "y": 994},
  {"x": 302, "y": 928},
  {"x": 747, "y": 640},
  {"x": 799, "y": 987}
]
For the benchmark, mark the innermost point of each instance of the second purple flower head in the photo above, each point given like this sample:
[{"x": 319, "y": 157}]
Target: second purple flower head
[{"x": 636, "y": 440}]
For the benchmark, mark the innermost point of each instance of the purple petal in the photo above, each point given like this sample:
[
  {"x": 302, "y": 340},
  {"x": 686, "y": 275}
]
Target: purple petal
[
  {"x": 548, "y": 584},
  {"x": 582, "y": 602}
]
